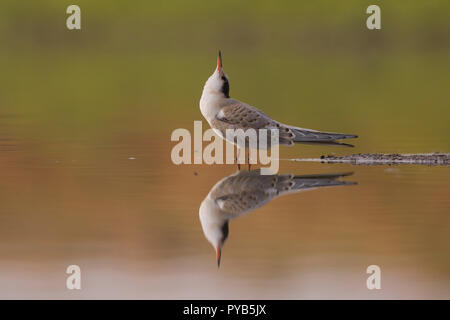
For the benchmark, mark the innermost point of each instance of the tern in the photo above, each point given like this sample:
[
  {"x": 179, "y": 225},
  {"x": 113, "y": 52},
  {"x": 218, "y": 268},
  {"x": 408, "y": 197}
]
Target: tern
[
  {"x": 223, "y": 112},
  {"x": 246, "y": 191}
]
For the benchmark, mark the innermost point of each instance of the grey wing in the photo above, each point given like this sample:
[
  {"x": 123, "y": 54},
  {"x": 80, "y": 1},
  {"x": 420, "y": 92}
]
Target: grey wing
[
  {"x": 238, "y": 115},
  {"x": 248, "y": 190},
  {"x": 308, "y": 136},
  {"x": 240, "y": 203},
  {"x": 306, "y": 182}
]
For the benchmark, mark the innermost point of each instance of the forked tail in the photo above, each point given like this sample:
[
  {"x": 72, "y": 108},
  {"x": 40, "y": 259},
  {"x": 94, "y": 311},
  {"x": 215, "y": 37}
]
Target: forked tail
[{"x": 307, "y": 136}]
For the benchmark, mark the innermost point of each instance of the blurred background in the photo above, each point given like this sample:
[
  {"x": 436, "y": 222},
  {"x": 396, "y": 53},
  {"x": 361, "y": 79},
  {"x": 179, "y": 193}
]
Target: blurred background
[{"x": 85, "y": 123}]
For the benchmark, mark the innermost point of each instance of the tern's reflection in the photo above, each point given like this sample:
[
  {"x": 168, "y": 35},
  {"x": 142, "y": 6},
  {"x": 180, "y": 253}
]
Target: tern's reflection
[{"x": 245, "y": 191}]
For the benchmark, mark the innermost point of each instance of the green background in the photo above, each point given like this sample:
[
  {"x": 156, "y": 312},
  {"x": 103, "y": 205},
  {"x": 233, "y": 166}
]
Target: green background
[{"x": 139, "y": 67}]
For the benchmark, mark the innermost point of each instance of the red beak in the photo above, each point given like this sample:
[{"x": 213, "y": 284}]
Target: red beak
[
  {"x": 219, "y": 61},
  {"x": 218, "y": 256}
]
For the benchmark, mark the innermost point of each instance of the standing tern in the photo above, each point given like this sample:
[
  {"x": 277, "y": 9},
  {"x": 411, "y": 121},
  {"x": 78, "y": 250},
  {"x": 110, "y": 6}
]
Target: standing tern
[{"x": 223, "y": 112}]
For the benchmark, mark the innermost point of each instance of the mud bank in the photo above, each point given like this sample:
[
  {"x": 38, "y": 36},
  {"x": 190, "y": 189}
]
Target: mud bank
[{"x": 429, "y": 159}]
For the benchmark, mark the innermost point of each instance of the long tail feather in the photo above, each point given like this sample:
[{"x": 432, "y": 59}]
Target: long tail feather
[
  {"x": 327, "y": 143},
  {"x": 307, "y": 136},
  {"x": 321, "y": 180}
]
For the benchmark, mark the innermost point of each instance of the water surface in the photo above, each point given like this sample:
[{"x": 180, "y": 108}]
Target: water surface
[
  {"x": 86, "y": 177},
  {"x": 129, "y": 218}
]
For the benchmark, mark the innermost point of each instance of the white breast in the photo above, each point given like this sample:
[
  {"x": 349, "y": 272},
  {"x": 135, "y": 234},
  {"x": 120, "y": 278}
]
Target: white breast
[{"x": 210, "y": 105}]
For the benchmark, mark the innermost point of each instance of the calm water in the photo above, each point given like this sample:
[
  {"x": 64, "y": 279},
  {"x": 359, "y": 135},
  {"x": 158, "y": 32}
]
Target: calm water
[
  {"x": 130, "y": 220},
  {"x": 86, "y": 177}
]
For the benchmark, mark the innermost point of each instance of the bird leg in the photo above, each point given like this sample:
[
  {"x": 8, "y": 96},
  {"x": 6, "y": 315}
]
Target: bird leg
[
  {"x": 237, "y": 159},
  {"x": 248, "y": 159}
]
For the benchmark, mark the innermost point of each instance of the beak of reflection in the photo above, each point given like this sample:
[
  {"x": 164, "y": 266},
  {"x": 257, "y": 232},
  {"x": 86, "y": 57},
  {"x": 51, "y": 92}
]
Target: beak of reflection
[{"x": 218, "y": 256}]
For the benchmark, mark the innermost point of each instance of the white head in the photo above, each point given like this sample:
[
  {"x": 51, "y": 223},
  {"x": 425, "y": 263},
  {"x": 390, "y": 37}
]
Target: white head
[
  {"x": 218, "y": 82},
  {"x": 214, "y": 225}
]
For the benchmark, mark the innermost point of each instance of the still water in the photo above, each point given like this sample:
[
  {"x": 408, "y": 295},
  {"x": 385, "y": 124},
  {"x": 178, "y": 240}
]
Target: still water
[
  {"x": 86, "y": 178},
  {"x": 130, "y": 219}
]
